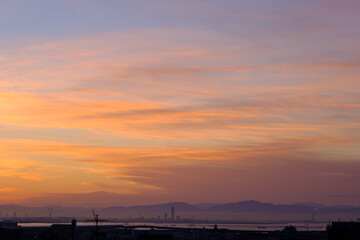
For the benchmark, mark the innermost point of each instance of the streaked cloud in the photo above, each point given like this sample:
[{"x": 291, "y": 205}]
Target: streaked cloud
[{"x": 138, "y": 109}]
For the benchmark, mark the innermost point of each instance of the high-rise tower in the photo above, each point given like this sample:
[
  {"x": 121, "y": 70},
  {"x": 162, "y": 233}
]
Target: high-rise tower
[{"x": 172, "y": 213}]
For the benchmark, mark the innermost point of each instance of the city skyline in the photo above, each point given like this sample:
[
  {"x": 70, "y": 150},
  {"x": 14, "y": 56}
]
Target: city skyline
[{"x": 198, "y": 101}]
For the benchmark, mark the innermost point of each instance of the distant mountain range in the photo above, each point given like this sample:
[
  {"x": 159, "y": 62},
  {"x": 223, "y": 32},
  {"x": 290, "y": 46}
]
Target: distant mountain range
[
  {"x": 243, "y": 210},
  {"x": 254, "y": 206}
]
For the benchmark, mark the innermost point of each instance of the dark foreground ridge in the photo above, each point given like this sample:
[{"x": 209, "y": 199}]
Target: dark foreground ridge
[{"x": 11, "y": 231}]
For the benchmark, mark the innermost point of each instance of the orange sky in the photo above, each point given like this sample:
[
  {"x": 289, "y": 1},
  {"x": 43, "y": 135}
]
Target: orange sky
[{"x": 196, "y": 102}]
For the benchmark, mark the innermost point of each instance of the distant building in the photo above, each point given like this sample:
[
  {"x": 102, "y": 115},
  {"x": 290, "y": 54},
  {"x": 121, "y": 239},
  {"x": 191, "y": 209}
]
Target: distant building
[
  {"x": 8, "y": 224},
  {"x": 9, "y": 230},
  {"x": 165, "y": 216},
  {"x": 172, "y": 213},
  {"x": 63, "y": 231},
  {"x": 344, "y": 231}
]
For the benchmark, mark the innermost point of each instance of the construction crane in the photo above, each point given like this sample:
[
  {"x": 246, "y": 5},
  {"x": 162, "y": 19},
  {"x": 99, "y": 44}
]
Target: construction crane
[{"x": 96, "y": 220}]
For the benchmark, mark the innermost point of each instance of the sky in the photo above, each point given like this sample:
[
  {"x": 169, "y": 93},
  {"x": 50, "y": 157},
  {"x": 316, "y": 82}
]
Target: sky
[{"x": 140, "y": 102}]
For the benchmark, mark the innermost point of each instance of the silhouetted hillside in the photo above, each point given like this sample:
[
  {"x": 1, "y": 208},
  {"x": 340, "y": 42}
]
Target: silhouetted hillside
[
  {"x": 254, "y": 206},
  {"x": 205, "y": 206},
  {"x": 243, "y": 211},
  {"x": 179, "y": 206}
]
